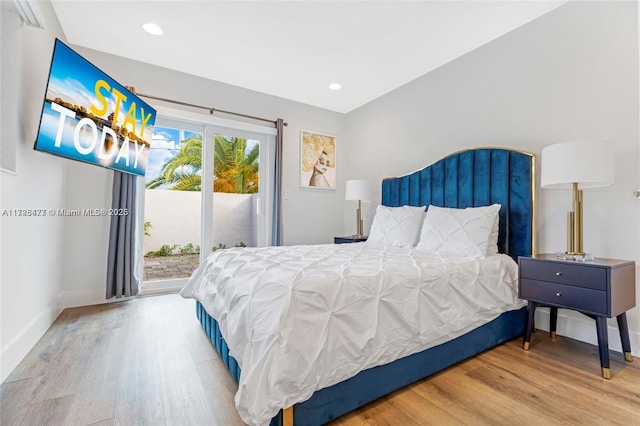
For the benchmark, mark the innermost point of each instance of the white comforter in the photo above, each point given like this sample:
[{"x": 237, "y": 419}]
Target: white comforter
[{"x": 302, "y": 318}]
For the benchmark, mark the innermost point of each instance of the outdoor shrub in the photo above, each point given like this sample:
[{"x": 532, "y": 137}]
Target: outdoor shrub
[
  {"x": 224, "y": 246},
  {"x": 165, "y": 250},
  {"x": 190, "y": 249}
]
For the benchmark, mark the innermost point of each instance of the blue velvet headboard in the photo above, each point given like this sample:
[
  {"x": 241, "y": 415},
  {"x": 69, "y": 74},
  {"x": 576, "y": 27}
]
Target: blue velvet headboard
[{"x": 472, "y": 178}]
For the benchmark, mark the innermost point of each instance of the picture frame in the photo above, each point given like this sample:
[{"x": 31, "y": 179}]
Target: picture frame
[{"x": 317, "y": 160}]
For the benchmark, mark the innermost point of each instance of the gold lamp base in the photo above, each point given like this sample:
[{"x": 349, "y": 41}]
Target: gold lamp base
[
  {"x": 574, "y": 224},
  {"x": 359, "y": 227}
]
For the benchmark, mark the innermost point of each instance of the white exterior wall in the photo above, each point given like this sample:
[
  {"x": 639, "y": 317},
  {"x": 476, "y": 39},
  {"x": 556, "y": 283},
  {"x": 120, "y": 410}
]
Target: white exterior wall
[{"x": 175, "y": 218}]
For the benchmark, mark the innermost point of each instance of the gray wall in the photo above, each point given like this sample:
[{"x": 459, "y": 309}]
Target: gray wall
[{"x": 571, "y": 74}]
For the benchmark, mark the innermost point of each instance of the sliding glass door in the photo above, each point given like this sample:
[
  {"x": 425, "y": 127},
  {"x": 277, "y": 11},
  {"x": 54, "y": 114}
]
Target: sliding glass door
[{"x": 206, "y": 189}]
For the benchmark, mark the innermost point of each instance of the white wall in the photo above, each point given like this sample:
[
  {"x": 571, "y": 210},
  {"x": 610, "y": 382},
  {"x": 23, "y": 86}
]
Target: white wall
[
  {"x": 32, "y": 248},
  {"x": 86, "y": 238},
  {"x": 571, "y": 74}
]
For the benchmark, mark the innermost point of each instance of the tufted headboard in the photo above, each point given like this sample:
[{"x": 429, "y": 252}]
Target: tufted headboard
[{"x": 477, "y": 177}]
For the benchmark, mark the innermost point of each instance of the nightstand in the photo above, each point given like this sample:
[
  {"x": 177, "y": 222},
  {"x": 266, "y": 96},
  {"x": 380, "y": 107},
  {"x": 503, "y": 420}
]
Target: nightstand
[
  {"x": 349, "y": 239},
  {"x": 600, "y": 289}
]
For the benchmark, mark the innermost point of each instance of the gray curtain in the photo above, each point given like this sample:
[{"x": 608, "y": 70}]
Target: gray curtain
[
  {"x": 122, "y": 279},
  {"x": 276, "y": 229}
]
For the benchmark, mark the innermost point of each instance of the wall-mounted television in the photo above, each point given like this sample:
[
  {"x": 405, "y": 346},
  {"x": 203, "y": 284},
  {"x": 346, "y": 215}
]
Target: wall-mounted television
[{"x": 88, "y": 116}]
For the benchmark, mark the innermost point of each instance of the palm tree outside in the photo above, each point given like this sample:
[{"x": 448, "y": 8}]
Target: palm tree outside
[
  {"x": 182, "y": 172},
  {"x": 235, "y": 168}
]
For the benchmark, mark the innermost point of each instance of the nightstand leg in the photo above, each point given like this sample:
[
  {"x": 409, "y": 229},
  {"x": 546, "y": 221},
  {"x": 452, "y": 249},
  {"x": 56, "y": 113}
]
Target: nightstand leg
[
  {"x": 603, "y": 346},
  {"x": 624, "y": 336},
  {"x": 553, "y": 321},
  {"x": 531, "y": 311}
]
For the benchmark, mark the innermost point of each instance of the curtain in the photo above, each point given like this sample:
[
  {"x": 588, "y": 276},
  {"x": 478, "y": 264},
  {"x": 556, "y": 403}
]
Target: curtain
[
  {"x": 122, "y": 277},
  {"x": 276, "y": 229}
]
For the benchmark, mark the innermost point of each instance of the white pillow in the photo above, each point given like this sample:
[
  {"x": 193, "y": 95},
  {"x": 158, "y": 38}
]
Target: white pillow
[
  {"x": 459, "y": 232},
  {"x": 492, "y": 247},
  {"x": 396, "y": 226}
]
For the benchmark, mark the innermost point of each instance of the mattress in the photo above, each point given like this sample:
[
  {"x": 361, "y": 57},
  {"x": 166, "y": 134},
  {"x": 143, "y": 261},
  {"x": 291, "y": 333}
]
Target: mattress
[{"x": 301, "y": 318}]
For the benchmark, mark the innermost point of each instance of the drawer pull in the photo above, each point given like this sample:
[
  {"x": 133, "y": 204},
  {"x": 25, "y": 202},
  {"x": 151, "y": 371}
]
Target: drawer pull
[
  {"x": 558, "y": 294},
  {"x": 558, "y": 274}
]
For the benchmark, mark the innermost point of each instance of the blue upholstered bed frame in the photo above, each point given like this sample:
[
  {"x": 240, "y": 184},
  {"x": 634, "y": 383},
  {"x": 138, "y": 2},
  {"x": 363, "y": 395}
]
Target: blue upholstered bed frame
[{"x": 469, "y": 178}]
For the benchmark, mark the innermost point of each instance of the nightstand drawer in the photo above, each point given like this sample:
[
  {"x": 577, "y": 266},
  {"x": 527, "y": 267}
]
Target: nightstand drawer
[
  {"x": 582, "y": 275},
  {"x": 582, "y": 299}
]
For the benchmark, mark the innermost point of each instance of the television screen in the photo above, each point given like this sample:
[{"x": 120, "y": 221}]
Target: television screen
[{"x": 88, "y": 116}]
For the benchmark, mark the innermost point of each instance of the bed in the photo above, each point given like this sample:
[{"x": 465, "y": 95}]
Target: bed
[{"x": 473, "y": 178}]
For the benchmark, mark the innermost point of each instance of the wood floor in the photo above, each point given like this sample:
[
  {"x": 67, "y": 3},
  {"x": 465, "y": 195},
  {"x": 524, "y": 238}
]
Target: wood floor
[{"x": 147, "y": 362}]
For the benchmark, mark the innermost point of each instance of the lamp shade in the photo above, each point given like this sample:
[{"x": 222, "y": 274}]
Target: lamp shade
[
  {"x": 359, "y": 189},
  {"x": 590, "y": 164}
]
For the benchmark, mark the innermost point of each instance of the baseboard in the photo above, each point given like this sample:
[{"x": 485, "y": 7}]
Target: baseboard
[
  {"x": 584, "y": 329},
  {"x": 19, "y": 347},
  {"x": 94, "y": 296}
]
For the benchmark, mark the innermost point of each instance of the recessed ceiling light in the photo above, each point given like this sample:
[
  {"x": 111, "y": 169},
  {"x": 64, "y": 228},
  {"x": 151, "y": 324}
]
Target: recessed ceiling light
[
  {"x": 152, "y": 28},
  {"x": 335, "y": 86}
]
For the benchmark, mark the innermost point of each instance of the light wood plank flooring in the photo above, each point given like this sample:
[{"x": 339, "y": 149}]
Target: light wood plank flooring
[{"x": 147, "y": 362}]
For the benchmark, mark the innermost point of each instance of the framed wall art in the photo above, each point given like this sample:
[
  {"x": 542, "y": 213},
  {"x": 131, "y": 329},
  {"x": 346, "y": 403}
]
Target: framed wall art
[{"x": 317, "y": 160}]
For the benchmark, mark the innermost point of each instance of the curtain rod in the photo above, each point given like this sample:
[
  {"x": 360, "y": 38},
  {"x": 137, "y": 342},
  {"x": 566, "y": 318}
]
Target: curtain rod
[{"x": 210, "y": 109}]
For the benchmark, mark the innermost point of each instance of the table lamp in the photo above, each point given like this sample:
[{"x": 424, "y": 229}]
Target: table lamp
[
  {"x": 361, "y": 190},
  {"x": 577, "y": 165}
]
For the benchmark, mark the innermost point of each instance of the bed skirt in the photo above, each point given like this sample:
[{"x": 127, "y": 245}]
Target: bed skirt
[{"x": 369, "y": 385}]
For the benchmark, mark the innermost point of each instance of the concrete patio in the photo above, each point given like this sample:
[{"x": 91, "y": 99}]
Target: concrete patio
[{"x": 169, "y": 267}]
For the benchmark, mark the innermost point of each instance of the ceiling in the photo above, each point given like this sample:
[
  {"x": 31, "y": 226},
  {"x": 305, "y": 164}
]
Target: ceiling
[{"x": 295, "y": 49}]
